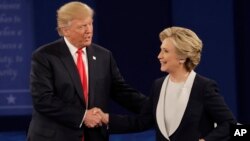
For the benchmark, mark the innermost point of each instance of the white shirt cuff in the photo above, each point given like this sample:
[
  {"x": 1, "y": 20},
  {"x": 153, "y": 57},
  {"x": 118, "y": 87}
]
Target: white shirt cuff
[{"x": 83, "y": 119}]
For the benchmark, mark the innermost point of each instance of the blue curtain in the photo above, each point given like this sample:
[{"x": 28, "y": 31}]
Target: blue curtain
[{"x": 242, "y": 30}]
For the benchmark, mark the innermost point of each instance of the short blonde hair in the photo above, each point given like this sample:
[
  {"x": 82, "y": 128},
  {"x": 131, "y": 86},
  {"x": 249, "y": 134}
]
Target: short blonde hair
[
  {"x": 187, "y": 43},
  {"x": 71, "y": 11}
]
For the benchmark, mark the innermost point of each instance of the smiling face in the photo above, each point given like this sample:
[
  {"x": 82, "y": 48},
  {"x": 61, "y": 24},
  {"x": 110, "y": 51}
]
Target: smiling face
[
  {"x": 80, "y": 32},
  {"x": 168, "y": 58}
]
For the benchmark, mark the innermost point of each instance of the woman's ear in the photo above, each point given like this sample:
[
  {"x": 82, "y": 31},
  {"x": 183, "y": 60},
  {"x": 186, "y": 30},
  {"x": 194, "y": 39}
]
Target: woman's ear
[{"x": 182, "y": 61}]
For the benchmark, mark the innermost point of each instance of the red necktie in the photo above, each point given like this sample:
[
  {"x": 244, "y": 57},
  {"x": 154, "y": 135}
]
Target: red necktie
[{"x": 82, "y": 73}]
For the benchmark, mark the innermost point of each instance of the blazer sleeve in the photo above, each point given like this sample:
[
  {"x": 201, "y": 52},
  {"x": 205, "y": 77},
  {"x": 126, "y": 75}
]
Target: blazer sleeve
[
  {"x": 132, "y": 123},
  {"x": 45, "y": 98},
  {"x": 219, "y": 112},
  {"x": 139, "y": 122},
  {"x": 122, "y": 93}
]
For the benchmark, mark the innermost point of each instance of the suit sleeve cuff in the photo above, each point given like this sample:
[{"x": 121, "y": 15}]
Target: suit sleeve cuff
[{"x": 80, "y": 126}]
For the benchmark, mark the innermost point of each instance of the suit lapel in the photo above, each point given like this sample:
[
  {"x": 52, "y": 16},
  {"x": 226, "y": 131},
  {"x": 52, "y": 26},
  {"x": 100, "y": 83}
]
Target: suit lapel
[
  {"x": 92, "y": 59},
  {"x": 184, "y": 100},
  {"x": 156, "y": 93},
  {"x": 191, "y": 105},
  {"x": 69, "y": 63}
]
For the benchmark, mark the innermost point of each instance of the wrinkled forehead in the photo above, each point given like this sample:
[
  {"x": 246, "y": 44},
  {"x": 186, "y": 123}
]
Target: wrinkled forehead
[{"x": 81, "y": 21}]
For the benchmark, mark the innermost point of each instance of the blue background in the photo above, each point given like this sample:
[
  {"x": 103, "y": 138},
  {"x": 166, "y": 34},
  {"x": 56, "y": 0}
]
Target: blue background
[{"x": 130, "y": 30}]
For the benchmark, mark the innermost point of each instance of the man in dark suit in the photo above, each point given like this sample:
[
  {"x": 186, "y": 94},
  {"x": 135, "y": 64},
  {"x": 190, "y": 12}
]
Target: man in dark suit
[{"x": 71, "y": 76}]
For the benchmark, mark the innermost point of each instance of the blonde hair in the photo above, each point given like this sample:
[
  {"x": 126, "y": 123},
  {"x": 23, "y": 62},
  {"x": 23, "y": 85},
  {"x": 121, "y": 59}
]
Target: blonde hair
[
  {"x": 187, "y": 43},
  {"x": 71, "y": 11}
]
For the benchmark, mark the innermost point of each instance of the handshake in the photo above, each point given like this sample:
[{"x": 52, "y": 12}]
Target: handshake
[{"x": 95, "y": 117}]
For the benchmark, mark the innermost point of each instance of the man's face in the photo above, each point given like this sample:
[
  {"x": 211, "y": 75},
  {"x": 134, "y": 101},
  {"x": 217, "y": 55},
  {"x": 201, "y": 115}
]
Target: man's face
[{"x": 80, "y": 32}]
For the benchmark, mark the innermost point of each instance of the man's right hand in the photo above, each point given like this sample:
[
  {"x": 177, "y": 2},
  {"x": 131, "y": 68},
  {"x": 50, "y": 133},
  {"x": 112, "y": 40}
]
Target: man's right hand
[
  {"x": 96, "y": 117},
  {"x": 92, "y": 118}
]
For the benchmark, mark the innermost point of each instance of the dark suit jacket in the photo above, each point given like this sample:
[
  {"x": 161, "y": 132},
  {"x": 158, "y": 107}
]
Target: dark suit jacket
[
  {"x": 205, "y": 107},
  {"x": 58, "y": 96}
]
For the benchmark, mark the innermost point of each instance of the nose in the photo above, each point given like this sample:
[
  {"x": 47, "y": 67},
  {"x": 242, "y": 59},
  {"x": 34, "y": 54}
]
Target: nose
[
  {"x": 89, "y": 28},
  {"x": 159, "y": 55}
]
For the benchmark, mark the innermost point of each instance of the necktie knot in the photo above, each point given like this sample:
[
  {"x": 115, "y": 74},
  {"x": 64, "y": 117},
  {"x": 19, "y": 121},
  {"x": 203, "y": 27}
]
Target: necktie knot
[{"x": 79, "y": 50}]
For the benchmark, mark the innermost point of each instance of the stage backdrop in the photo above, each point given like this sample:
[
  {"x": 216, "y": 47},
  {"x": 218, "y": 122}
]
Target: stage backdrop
[
  {"x": 130, "y": 29},
  {"x": 213, "y": 22},
  {"x": 16, "y": 45}
]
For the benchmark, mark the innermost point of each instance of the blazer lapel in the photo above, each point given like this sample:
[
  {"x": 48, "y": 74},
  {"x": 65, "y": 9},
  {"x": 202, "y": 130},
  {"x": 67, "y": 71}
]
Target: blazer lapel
[
  {"x": 190, "y": 108},
  {"x": 92, "y": 59},
  {"x": 69, "y": 63},
  {"x": 185, "y": 98}
]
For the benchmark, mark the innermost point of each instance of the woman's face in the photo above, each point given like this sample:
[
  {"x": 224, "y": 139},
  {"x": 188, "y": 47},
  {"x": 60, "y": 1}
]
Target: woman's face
[{"x": 168, "y": 58}]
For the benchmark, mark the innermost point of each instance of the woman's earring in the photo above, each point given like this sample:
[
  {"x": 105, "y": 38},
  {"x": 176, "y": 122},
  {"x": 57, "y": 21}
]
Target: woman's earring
[{"x": 182, "y": 61}]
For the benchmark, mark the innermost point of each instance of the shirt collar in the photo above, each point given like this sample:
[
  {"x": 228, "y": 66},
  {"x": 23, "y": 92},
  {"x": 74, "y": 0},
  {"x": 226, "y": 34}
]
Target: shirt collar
[{"x": 72, "y": 48}]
